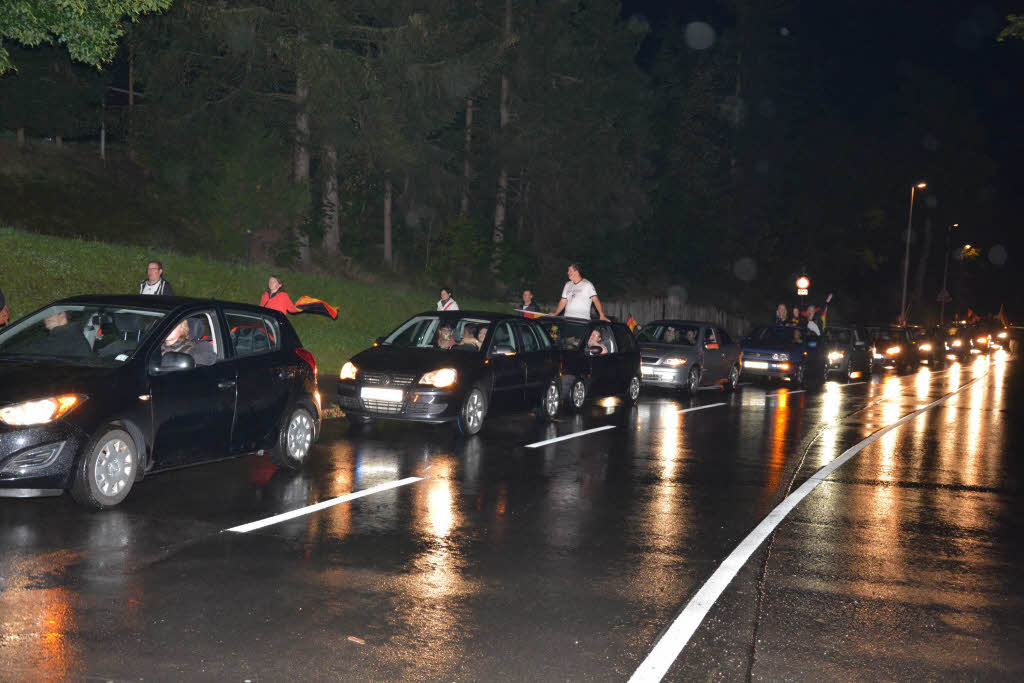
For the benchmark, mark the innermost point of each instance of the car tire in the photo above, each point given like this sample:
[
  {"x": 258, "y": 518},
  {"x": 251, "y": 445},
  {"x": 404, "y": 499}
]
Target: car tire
[
  {"x": 550, "y": 402},
  {"x": 800, "y": 376},
  {"x": 295, "y": 438},
  {"x": 577, "y": 395},
  {"x": 472, "y": 411},
  {"x": 107, "y": 469},
  {"x": 693, "y": 381},
  {"x": 733, "y": 380},
  {"x": 633, "y": 390}
]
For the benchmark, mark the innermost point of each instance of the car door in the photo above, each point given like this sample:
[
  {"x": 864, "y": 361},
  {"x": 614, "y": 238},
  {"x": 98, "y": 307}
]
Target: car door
[
  {"x": 193, "y": 409},
  {"x": 508, "y": 369},
  {"x": 730, "y": 351},
  {"x": 541, "y": 364},
  {"x": 266, "y": 377},
  {"x": 712, "y": 361},
  {"x": 604, "y": 371},
  {"x": 628, "y": 354}
]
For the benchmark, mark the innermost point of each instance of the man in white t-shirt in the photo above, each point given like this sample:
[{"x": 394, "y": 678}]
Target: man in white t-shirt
[{"x": 577, "y": 295}]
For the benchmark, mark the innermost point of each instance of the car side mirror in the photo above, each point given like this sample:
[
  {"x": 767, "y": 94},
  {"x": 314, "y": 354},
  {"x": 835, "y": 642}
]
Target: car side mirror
[
  {"x": 503, "y": 350},
  {"x": 595, "y": 350},
  {"x": 172, "y": 361}
]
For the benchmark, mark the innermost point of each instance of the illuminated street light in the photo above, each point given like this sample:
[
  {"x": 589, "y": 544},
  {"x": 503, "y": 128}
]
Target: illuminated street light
[{"x": 906, "y": 256}]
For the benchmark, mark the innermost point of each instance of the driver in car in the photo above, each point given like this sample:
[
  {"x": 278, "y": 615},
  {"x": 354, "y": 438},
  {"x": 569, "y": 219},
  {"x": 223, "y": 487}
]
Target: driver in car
[
  {"x": 180, "y": 341},
  {"x": 595, "y": 340}
]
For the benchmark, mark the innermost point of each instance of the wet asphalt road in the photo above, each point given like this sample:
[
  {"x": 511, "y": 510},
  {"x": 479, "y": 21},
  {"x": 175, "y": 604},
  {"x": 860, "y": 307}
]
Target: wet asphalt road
[{"x": 563, "y": 562}]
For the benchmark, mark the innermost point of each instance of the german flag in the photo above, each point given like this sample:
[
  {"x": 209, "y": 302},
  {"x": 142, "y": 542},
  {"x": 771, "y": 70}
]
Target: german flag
[
  {"x": 308, "y": 304},
  {"x": 632, "y": 324},
  {"x": 530, "y": 314}
]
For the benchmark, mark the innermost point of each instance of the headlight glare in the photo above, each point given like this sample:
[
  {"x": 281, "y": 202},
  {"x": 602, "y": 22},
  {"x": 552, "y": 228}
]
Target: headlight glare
[
  {"x": 39, "y": 412},
  {"x": 893, "y": 350},
  {"x": 982, "y": 340},
  {"x": 957, "y": 342},
  {"x": 349, "y": 370},
  {"x": 836, "y": 355},
  {"x": 675, "y": 362},
  {"x": 1002, "y": 335},
  {"x": 925, "y": 347},
  {"x": 443, "y": 378}
]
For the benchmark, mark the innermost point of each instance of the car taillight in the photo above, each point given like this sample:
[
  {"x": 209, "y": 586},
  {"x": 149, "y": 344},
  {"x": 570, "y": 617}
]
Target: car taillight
[{"x": 308, "y": 357}]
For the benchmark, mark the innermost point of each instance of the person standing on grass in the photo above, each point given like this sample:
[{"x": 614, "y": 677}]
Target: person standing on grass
[
  {"x": 528, "y": 304},
  {"x": 155, "y": 282},
  {"x": 276, "y": 298},
  {"x": 577, "y": 295},
  {"x": 5, "y": 314}
]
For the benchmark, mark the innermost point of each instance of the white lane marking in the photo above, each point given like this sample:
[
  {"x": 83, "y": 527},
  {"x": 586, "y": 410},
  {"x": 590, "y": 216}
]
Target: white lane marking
[
  {"x": 672, "y": 641},
  {"x": 285, "y": 516},
  {"x": 786, "y": 393},
  {"x": 851, "y": 384},
  {"x": 569, "y": 436},
  {"x": 710, "y": 405}
]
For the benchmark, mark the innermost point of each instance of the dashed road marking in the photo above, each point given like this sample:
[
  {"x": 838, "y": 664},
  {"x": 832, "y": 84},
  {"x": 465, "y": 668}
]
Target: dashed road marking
[
  {"x": 710, "y": 405},
  {"x": 786, "y": 393},
  {"x": 569, "y": 436}
]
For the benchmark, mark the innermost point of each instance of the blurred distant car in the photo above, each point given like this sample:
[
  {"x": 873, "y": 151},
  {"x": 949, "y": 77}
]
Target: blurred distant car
[
  {"x": 981, "y": 337},
  {"x": 957, "y": 342},
  {"x": 929, "y": 345},
  {"x": 683, "y": 354},
  {"x": 785, "y": 352},
  {"x": 893, "y": 347},
  {"x": 414, "y": 374},
  {"x": 847, "y": 352},
  {"x": 598, "y": 359}
]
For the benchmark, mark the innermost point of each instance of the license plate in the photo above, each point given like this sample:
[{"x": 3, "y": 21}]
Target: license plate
[
  {"x": 378, "y": 394},
  {"x": 755, "y": 364}
]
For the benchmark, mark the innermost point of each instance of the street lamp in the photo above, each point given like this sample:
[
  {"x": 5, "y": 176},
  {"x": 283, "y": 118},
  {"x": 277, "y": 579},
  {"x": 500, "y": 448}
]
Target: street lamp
[
  {"x": 943, "y": 295},
  {"x": 906, "y": 256}
]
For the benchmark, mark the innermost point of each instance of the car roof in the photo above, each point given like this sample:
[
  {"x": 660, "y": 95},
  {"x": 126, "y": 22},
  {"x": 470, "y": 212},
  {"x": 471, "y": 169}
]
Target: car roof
[
  {"x": 161, "y": 303},
  {"x": 489, "y": 316},
  {"x": 580, "y": 321},
  {"x": 673, "y": 321}
]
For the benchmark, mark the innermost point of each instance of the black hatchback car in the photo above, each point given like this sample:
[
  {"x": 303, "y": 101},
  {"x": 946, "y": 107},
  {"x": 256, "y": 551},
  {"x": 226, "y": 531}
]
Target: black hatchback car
[
  {"x": 599, "y": 359},
  {"x": 847, "y": 352},
  {"x": 92, "y": 397},
  {"x": 453, "y": 366}
]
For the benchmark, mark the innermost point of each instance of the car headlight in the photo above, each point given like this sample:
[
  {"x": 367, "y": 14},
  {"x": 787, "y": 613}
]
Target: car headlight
[
  {"x": 1002, "y": 335},
  {"x": 982, "y": 340},
  {"x": 349, "y": 370},
  {"x": 957, "y": 342},
  {"x": 39, "y": 412},
  {"x": 925, "y": 347},
  {"x": 445, "y": 377},
  {"x": 780, "y": 356},
  {"x": 675, "y": 362},
  {"x": 893, "y": 350},
  {"x": 836, "y": 355}
]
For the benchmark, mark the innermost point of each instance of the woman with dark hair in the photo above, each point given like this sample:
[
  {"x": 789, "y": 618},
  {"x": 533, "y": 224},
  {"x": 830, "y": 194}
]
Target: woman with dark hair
[
  {"x": 447, "y": 302},
  {"x": 276, "y": 298}
]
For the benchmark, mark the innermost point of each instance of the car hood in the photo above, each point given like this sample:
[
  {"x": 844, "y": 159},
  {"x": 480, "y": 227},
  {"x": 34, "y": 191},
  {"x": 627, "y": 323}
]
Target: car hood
[
  {"x": 24, "y": 380},
  {"x": 662, "y": 350},
  {"x": 413, "y": 361}
]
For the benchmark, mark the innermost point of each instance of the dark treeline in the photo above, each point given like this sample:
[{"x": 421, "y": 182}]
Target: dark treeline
[{"x": 486, "y": 144}]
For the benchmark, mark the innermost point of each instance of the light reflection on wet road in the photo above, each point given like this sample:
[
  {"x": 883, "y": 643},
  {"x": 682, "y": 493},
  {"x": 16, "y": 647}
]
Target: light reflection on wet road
[{"x": 565, "y": 561}]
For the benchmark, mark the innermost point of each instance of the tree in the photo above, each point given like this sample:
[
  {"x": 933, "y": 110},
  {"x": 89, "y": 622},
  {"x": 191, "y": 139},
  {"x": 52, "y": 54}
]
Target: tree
[{"x": 89, "y": 28}]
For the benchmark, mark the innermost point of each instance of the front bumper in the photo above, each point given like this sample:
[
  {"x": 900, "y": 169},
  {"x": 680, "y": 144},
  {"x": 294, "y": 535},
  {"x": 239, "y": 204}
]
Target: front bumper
[
  {"x": 664, "y": 375},
  {"x": 38, "y": 460},
  {"x": 768, "y": 369},
  {"x": 417, "y": 404}
]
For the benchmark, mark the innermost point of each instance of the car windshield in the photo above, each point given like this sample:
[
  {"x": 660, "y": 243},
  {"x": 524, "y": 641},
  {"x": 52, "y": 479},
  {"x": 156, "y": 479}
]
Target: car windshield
[
  {"x": 778, "y": 336},
  {"x": 433, "y": 332},
  {"x": 89, "y": 334},
  {"x": 565, "y": 333},
  {"x": 895, "y": 334},
  {"x": 839, "y": 337},
  {"x": 664, "y": 333}
]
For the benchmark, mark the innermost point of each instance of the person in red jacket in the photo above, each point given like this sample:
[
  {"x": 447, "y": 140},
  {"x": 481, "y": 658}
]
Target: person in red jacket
[{"x": 275, "y": 297}]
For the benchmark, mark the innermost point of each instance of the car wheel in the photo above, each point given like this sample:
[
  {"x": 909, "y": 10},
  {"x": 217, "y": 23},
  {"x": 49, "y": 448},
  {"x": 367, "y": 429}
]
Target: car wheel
[
  {"x": 550, "y": 402},
  {"x": 800, "y": 376},
  {"x": 577, "y": 395},
  {"x": 693, "y": 381},
  {"x": 473, "y": 411},
  {"x": 106, "y": 472},
  {"x": 295, "y": 439},
  {"x": 633, "y": 390},
  {"x": 734, "y": 378}
]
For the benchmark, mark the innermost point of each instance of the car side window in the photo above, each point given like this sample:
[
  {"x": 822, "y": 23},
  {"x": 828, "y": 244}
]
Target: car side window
[
  {"x": 251, "y": 334},
  {"x": 624, "y": 339},
  {"x": 503, "y": 337},
  {"x": 723, "y": 337},
  {"x": 202, "y": 341},
  {"x": 530, "y": 341},
  {"x": 601, "y": 335},
  {"x": 709, "y": 336},
  {"x": 542, "y": 336}
]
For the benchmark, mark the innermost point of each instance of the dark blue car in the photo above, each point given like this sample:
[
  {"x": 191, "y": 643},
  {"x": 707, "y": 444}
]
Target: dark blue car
[{"x": 784, "y": 352}]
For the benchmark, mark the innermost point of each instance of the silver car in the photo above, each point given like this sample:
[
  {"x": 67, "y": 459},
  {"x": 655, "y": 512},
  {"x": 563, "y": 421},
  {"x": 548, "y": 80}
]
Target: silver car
[{"x": 683, "y": 354}]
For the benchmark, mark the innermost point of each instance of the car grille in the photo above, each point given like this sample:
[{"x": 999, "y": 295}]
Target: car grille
[
  {"x": 387, "y": 379},
  {"x": 650, "y": 360},
  {"x": 382, "y": 407},
  {"x": 425, "y": 409}
]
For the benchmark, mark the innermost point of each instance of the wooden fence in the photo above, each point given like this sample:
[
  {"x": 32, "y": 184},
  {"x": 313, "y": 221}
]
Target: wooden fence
[{"x": 646, "y": 310}]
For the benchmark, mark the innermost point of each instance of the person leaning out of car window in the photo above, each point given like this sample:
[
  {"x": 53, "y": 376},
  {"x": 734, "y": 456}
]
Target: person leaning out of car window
[
  {"x": 276, "y": 298},
  {"x": 181, "y": 340},
  {"x": 155, "y": 282}
]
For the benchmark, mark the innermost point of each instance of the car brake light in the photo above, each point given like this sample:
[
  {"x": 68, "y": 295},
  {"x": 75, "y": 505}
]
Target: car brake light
[{"x": 308, "y": 357}]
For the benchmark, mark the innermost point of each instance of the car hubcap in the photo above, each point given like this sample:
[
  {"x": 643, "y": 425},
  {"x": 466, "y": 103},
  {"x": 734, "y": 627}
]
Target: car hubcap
[
  {"x": 115, "y": 467},
  {"x": 474, "y": 410},
  {"x": 694, "y": 381},
  {"x": 634, "y": 388},
  {"x": 579, "y": 392},
  {"x": 551, "y": 400},
  {"x": 300, "y": 435},
  {"x": 734, "y": 376}
]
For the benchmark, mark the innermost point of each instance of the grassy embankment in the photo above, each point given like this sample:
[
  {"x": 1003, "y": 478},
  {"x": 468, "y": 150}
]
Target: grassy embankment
[{"x": 35, "y": 269}]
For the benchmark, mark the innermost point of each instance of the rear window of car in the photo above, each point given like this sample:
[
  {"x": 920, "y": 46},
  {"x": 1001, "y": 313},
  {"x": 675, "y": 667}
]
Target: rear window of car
[
  {"x": 253, "y": 334},
  {"x": 565, "y": 333},
  {"x": 664, "y": 333},
  {"x": 834, "y": 336}
]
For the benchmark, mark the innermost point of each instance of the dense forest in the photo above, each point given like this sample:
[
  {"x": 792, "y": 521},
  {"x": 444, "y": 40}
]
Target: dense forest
[{"x": 718, "y": 155}]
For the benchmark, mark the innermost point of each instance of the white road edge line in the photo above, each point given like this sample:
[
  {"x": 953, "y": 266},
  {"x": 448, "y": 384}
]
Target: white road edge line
[
  {"x": 710, "y": 405},
  {"x": 851, "y": 384},
  {"x": 569, "y": 436},
  {"x": 786, "y": 393},
  {"x": 285, "y": 516},
  {"x": 672, "y": 641}
]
